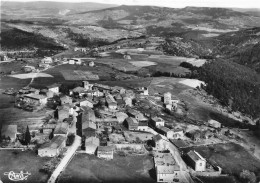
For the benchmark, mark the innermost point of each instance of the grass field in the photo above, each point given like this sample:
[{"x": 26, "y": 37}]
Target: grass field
[
  {"x": 232, "y": 158},
  {"x": 86, "y": 168},
  {"x": 17, "y": 161}
]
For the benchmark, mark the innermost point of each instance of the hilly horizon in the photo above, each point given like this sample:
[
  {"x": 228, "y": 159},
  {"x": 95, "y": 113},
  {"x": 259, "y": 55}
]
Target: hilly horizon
[{"x": 190, "y": 31}]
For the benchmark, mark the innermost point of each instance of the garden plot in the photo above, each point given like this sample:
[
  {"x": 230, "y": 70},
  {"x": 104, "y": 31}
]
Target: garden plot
[
  {"x": 79, "y": 75},
  {"x": 142, "y": 63},
  {"x": 192, "y": 82},
  {"x": 137, "y": 136},
  {"x": 31, "y": 75}
]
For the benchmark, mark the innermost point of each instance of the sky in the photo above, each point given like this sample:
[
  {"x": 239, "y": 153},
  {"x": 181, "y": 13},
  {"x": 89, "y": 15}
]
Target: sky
[{"x": 172, "y": 3}]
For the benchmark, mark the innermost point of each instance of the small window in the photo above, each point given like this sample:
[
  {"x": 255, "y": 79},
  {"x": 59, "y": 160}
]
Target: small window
[
  {"x": 160, "y": 179},
  {"x": 200, "y": 164}
]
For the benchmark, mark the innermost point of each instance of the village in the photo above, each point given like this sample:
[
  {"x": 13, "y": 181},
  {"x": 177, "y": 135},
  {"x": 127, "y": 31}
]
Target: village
[{"x": 101, "y": 120}]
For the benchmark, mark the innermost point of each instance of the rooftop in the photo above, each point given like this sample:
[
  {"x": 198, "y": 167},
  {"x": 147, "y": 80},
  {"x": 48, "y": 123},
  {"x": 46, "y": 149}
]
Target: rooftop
[
  {"x": 157, "y": 119},
  {"x": 54, "y": 143},
  {"x": 35, "y": 96},
  {"x": 61, "y": 128},
  {"x": 164, "y": 129},
  {"x": 195, "y": 156},
  {"x": 130, "y": 120},
  {"x": 157, "y": 137}
]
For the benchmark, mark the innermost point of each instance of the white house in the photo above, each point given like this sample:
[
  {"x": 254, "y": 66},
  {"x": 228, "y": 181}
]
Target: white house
[
  {"x": 178, "y": 134},
  {"x": 214, "y": 123},
  {"x": 47, "y": 60},
  {"x": 54, "y": 88},
  {"x": 91, "y": 64},
  {"x": 85, "y": 102},
  {"x": 157, "y": 121},
  {"x": 142, "y": 126},
  {"x": 166, "y": 132},
  {"x": 167, "y": 173},
  {"x": 196, "y": 161},
  {"x": 160, "y": 143},
  {"x": 91, "y": 145},
  {"x": 71, "y": 61},
  {"x": 52, "y": 148},
  {"x": 167, "y": 97}
]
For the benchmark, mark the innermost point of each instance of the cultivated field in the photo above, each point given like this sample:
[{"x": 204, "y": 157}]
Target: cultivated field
[
  {"x": 86, "y": 168},
  {"x": 137, "y": 136},
  {"x": 31, "y": 75},
  {"x": 26, "y": 161},
  {"x": 142, "y": 63},
  {"x": 79, "y": 75},
  {"x": 191, "y": 82}
]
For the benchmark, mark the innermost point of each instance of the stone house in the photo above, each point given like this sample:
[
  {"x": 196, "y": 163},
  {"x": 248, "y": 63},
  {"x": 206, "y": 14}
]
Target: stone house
[{"x": 52, "y": 148}]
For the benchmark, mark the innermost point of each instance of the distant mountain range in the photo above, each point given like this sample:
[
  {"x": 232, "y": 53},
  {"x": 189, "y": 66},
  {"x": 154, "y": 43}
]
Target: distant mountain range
[{"x": 189, "y": 31}]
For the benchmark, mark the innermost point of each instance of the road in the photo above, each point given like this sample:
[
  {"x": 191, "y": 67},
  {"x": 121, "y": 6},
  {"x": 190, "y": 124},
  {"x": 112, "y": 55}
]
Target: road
[{"x": 66, "y": 159}]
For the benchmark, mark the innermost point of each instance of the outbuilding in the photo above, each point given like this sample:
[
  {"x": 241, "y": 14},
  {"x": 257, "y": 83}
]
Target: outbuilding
[{"x": 52, "y": 148}]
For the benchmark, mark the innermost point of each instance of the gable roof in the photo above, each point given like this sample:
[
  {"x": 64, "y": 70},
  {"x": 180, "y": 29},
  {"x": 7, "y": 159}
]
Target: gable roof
[
  {"x": 61, "y": 128},
  {"x": 131, "y": 121},
  {"x": 157, "y": 137},
  {"x": 195, "y": 156},
  {"x": 35, "y": 96},
  {"x": 54, "y": 143}
]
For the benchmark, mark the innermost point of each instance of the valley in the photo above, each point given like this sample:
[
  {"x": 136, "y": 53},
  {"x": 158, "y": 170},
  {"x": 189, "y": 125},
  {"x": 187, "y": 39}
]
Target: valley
[{"x": 142, "y": 89}]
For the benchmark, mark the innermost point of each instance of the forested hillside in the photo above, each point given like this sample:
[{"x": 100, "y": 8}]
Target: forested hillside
[
  {"x": 18, "y": 39},
  {"x": 234, "y": 85}
]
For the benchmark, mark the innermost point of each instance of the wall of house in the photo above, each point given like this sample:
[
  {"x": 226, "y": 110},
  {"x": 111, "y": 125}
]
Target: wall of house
[
  {"x": 55, "y": 90},
  {"x": 167, "y": 177},
  {"x": 48, "y": 152},
  {"x": 200, "y": 165},
  {"x": 142, "y": 128},
  {"x": 106, "y": 155}
]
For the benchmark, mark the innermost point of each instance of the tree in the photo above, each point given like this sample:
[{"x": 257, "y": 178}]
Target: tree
[
  {"x": 27, "y": 137},
  {"x": 247, "y": 176}
]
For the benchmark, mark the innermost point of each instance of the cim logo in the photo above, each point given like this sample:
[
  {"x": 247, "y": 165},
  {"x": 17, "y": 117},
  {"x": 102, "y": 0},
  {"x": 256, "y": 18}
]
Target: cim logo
[{"x": 17, "y": 176}]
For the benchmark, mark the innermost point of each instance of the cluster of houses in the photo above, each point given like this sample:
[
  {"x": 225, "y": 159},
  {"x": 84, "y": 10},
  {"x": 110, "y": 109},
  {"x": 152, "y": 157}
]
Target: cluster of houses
[{"x": 93, "y": 111}]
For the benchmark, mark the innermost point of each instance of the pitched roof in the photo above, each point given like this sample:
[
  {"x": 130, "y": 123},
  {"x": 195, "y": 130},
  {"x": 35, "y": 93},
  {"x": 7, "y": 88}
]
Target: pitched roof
[
  {"x": 61, "y": 128},
  {"x": 35, "y": 96},
  {"x": 54, "y": 143},
  {"x": 195, "y": 156},
  {"x": 157, "y": 137},
  {"x": 79, "y": 89},
  {"x": 157, "y": 119},
  {"x": 131, "y": 121},
  {"x": 179, "y": 143},
  {"x": 164, "y": 129},
  {"x": 9, "y": 131}
]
